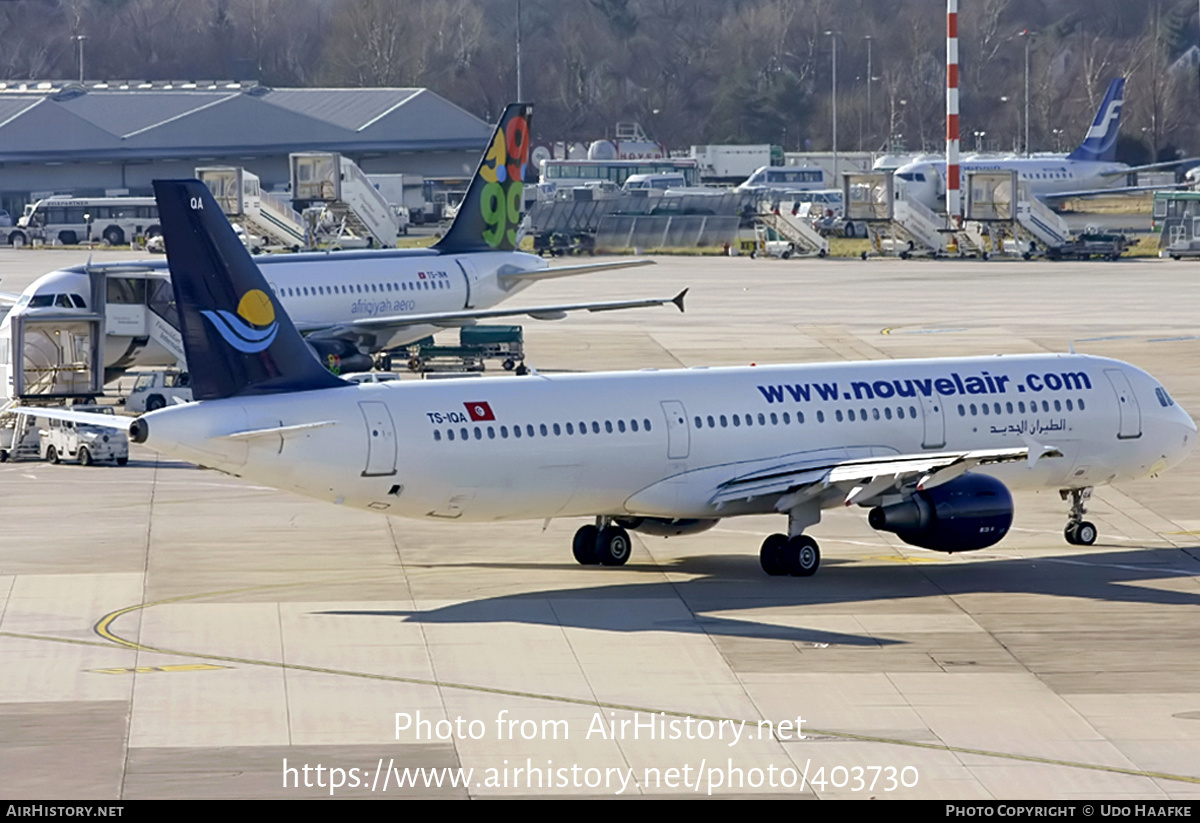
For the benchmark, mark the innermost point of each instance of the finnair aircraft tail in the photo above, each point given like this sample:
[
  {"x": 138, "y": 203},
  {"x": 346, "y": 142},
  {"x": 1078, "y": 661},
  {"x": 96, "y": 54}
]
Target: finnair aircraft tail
[{"x": 1100, "y": 143}]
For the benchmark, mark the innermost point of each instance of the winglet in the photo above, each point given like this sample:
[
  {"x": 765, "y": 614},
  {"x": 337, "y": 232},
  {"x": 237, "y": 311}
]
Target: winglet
[{"x": 236, "y": 335}]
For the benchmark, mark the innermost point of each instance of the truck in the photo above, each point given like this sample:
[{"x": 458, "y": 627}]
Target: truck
[
  {"x": 732, "y": 163},
  {"x": 158, "y": 389}
]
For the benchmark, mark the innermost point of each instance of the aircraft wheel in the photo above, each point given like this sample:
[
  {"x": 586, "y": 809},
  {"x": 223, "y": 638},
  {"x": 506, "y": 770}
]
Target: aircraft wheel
[
  {"x": 768, "y": 555},
  {"x": 51, "y": 455},
  {"x": 85, "y": 457},
  {"x": 584, "y": 546},
  {"x": 801, "y": 556},
  {"x": 1070, "y": 533},
  {"x": 1085, "y": 534},
  {"x": 613, "y": 546}
]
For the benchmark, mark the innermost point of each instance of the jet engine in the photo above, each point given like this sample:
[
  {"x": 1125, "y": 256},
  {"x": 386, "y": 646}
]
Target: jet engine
[
  {"x": 666, "y": 526},
  {"x": 340, "y": 356},
  {"x": 972, "y": 511}
]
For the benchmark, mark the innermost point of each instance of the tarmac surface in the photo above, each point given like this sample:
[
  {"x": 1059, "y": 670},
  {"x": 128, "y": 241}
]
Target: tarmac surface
[{"x": 170, "y": 632}]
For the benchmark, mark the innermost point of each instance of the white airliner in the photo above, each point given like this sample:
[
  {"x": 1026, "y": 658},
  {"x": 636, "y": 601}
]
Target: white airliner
[
  {"x": 931, "y": 447},
  {"x": 1090, "y": 169},
  {"x": 350, "y": 305}
]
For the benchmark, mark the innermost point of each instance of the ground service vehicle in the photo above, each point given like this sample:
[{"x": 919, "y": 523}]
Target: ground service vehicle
[{"x": 85, "y": 442}]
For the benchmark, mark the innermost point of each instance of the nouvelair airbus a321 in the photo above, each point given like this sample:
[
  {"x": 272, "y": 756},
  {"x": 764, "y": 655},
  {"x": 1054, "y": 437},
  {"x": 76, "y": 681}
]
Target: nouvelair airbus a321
[{"x": 931, "y": 447}]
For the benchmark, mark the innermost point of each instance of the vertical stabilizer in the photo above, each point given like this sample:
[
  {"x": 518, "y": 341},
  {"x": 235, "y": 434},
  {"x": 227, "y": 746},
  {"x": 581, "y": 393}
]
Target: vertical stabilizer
[
  {"x": 489, "y": 215},
  {"x": 1100, "y": 144},
  {"x": 238, "y": 339}
]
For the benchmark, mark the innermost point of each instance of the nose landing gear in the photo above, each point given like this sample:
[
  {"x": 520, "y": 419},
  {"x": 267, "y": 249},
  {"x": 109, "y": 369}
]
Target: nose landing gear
[{"x": 1079, "y": 532}]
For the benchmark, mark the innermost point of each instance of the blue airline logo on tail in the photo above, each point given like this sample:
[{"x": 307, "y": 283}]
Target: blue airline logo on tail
[{"x": 254, "y": 326}]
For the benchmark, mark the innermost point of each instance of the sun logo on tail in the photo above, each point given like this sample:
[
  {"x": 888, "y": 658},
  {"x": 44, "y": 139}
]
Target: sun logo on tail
[{"x": 253, "y": 328}]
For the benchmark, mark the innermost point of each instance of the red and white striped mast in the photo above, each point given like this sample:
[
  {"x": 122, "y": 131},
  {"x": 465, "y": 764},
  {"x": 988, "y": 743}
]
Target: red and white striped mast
[{"x": 953, "y": 209}]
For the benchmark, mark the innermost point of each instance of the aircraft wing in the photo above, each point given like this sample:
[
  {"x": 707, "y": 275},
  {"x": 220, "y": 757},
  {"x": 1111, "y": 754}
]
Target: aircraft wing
[
  {"x": 468, "y": 317},
  {"x": 8, "y": 299},
  {"x": 1166, "y": 164},
  {"x": 865, "y": 478},
  {"x": 568, "y": 271},
  {"x": 1066, "y": 195}
]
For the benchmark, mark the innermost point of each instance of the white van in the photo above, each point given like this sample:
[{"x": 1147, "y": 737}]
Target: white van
[{"x": 68, "y": 440}]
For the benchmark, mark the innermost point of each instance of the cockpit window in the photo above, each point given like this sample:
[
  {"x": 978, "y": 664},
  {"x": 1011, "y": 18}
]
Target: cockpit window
[
  {"x": 78, "y": 301},
  {"x": 63, "y": 301},
  {"x": 41, "y": 301}
]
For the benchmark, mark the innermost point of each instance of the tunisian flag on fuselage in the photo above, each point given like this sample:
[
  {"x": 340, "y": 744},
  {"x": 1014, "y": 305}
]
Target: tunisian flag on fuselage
[{"x": 479, "y": 411}]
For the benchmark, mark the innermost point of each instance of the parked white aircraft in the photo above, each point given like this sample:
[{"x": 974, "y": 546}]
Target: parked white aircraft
[
  {"x": 932, "y": 447},
  {"x": 351, "y": 305},
  {"x": 1090, "y": 169}
]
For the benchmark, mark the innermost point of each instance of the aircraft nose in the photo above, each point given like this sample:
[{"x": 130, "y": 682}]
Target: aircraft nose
[{"x": 1181, "y": 429}]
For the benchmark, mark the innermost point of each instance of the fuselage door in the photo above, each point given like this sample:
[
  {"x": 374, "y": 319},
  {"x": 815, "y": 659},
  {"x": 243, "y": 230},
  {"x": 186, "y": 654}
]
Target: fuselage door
[
  {"x": 932, "y": 411},
  {"x": 381, "y": 439},
  {"x": 678, "y": 435},
  {"x": 1127, "y": 404},
  {"x": 471, "y": 276}
]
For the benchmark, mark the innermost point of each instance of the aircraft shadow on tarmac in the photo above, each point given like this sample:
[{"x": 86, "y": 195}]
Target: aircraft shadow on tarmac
[{"x": 680, "y": 606}]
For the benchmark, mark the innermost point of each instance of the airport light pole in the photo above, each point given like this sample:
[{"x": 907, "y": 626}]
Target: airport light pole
[
  {"x": 834, "y": 36},
  {"x": 520, "y": 97},
  {"x": 80, "y": 38},
  {"x": 870, "y": 77},
  {"x": 1028, "y": 35}
]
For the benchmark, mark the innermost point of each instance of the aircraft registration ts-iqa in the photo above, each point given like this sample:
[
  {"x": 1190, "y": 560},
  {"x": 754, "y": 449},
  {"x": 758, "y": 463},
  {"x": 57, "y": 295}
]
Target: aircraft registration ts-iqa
[
  {"x": 930, "y": 447},
  {"x": 352, "y": 305}
]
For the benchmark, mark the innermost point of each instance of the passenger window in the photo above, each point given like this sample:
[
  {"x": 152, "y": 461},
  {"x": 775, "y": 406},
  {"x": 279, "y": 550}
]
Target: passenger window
[
  {"x": 608, "y": 426},
  {"x": 557, "y": 430}
]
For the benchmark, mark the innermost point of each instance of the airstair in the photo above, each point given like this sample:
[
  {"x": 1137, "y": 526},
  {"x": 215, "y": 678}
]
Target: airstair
[
  {"x": 792, "y": 222},
  {"x": 916, "y": 229},
  {"x": 1013, "y": 221},
  {"x": 349, "y": 203},
  {"x": 262, "y": 214}
]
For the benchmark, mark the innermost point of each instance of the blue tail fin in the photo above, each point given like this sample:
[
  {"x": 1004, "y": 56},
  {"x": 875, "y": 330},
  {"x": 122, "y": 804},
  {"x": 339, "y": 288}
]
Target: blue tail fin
[
  {"x": 237, "y": 337},
  {"x": 489, "y": 215},
  {"x": 1100, "y": 144}
]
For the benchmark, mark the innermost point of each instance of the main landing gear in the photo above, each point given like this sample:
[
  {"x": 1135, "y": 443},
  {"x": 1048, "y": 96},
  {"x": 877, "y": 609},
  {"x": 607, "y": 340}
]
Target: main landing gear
[
  {"x": 797, "y": 556},
  {"x": 1079, "y": 532},
  {"x": 605, "y": 543}
]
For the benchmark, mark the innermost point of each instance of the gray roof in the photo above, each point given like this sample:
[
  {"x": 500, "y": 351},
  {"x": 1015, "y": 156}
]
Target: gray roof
[{"x": 130, "y": 121}]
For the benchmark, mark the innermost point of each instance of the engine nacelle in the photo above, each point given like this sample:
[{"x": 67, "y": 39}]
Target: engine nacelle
[
  {"x": 970, "y": 512},
  {"x": 667, "y": 527},
  {"x": 340, "y": 356}
]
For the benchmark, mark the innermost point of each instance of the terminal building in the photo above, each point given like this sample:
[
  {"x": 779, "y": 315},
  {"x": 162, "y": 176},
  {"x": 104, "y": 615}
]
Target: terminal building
[{"x": 113, "y": 138}]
